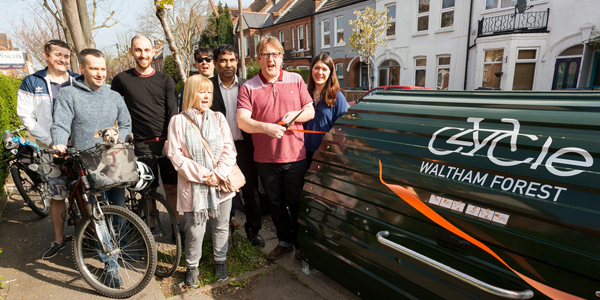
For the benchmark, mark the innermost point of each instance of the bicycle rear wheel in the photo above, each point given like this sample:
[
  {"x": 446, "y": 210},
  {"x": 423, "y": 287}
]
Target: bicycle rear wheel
[
  {"x": 165, "y": 230},
  {"x": 132, "y": 258},
  {"x": 31, "y": 192}
]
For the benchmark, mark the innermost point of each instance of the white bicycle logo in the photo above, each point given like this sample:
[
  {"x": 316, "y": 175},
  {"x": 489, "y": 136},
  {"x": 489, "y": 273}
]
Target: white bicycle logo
[{"x": 496, "y": 136}]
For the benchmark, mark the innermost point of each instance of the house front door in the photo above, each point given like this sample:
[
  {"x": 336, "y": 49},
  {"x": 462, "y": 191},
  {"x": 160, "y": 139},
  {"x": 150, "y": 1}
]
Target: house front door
[
  {"x": 566, "y": 73},
  {"x": 595, "y": 78}
]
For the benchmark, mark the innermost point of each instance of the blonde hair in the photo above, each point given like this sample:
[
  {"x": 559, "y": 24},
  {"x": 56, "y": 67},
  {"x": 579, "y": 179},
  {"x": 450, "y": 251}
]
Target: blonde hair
[
  {"x": 268, "y": 39},
  {"x": 194, "y": 84}
]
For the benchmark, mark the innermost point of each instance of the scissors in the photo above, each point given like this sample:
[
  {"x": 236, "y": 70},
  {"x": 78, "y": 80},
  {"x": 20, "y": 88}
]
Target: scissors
[{"x": 288, "y": 124}]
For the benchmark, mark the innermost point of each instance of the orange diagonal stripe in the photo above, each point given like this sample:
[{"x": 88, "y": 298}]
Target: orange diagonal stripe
[{"x": 413, "y": 201}]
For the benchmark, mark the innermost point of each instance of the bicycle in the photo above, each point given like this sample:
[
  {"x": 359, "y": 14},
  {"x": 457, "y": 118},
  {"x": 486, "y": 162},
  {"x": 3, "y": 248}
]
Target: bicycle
[
  {"x": 154, "y": 210},
  {"x": 113, "y": 249},
  {"x": 23, "y": 159}
]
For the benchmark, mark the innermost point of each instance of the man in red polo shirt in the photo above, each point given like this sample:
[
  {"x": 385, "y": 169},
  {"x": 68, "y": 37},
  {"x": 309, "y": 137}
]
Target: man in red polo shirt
[{"x": 272, "y": 96}]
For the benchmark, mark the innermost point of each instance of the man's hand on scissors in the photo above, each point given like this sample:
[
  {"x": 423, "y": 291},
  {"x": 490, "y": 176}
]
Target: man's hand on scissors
[{"x": 290, "y": 117}]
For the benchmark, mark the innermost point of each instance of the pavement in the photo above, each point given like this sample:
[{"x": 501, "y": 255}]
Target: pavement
[{"x": 24, "y": 236}]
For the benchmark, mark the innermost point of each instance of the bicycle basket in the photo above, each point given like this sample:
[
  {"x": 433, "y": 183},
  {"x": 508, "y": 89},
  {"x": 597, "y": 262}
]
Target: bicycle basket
[{"x": 110, "y": 166}]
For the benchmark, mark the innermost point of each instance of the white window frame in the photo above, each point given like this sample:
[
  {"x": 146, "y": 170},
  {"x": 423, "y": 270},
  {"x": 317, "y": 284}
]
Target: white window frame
[
  {"x": 423, "y": 14},
  {"x": 282, "y": 38},
  {"x": 256, "y": 40},
  {"x": 324, "y": 33},
  {"x": 339, "y": 66},
  {"x": 302, "y": 67},
  {"x": 247, "y": 45},
  {"x": 418, "y": 68},
  {"x": 442, "y": 67},
  {"x": 338, "y": 30},
  {"x": 388, "y": 6},
  {"x": 530, "y": 60},
  {"x": 293, "y": 39},
  {"x": 307, "y": 44},
  {"x": 300, "y": 29},
  {"x": 501, "y": 62},
  {"x": 498, "y": 6},
  {"x": 447, "y": 10}
]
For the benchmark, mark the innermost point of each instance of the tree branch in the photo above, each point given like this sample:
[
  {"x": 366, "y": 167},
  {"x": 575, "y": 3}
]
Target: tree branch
[{"x": 103, "y": 25}]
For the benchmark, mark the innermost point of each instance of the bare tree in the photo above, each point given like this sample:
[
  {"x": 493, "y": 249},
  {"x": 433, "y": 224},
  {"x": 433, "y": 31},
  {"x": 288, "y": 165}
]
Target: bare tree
[
  {"x": 181, "y": 24},
  {"x": 31, "y": 32},
  {"x": 73, "y": 16},
  {"x": 123, "y": 58}
]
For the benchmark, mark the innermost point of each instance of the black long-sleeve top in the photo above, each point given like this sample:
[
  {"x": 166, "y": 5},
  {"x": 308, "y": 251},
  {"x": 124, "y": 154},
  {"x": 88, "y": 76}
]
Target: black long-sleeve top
[{"x": 150, "y": 99}]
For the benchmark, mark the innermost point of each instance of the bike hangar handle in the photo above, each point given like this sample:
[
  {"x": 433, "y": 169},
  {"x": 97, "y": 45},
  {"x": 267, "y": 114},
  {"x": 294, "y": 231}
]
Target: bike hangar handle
[{"x": 509, "y": 294}]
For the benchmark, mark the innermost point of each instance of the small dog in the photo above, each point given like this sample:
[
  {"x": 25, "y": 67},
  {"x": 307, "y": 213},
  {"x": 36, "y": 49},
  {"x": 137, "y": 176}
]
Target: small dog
[
  {"x": 110, "y": 135},
  {"x": 113, "y": 160}
]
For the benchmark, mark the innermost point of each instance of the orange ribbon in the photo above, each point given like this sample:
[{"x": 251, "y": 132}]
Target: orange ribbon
[{"x": 419, "y": 205}]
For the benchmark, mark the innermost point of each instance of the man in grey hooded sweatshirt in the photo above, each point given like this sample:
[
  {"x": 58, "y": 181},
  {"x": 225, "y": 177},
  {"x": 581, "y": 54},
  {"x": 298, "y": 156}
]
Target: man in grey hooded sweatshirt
[{"x": 81, "y": 110}]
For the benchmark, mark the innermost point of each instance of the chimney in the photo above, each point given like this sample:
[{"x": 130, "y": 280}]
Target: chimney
[{"x": 3, "y": 39}]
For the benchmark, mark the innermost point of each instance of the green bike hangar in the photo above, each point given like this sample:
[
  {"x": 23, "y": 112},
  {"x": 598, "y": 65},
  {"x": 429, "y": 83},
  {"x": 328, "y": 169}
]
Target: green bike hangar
[{"x": 482, "y": 195}]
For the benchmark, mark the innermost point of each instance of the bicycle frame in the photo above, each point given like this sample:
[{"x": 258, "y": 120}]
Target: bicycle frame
[
  {"x": 80, "y": 196},
  {"x": 149, "y": 160}
]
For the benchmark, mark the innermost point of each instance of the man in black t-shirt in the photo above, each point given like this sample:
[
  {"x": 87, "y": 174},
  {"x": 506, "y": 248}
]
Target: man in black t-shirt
[{"x": 151, "y": 99}]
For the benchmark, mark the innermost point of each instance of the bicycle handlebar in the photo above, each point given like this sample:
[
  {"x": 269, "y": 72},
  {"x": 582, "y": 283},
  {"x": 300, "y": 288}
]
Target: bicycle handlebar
[
  {"x": 70, "y": 151},
  {"x": 18, "y": 129}
]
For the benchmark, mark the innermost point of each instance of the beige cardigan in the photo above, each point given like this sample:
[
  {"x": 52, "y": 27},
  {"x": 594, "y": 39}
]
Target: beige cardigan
[{"x": 187, "y": 169}]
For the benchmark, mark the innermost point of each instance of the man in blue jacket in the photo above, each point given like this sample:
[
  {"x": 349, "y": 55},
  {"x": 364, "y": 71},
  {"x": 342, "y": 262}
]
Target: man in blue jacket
[{"x": 35, "y": 107}]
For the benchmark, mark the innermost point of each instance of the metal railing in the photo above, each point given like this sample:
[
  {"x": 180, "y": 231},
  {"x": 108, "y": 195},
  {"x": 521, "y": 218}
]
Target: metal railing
[{"x": 528, "y": 22}]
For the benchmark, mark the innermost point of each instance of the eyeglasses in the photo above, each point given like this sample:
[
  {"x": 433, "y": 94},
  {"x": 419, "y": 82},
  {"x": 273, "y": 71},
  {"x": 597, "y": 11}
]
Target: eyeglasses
[
  {"x": 266, "y": 55},
  {"x": 207, "y": 59}
]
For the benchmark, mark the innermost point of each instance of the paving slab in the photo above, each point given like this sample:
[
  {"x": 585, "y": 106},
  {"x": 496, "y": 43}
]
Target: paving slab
[{"x": 23, "y": 238}]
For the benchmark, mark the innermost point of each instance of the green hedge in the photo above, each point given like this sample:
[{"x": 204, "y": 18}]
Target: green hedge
[
  {"x": 8, "y": 113},
  {"x": 303, "y": 72},
  {"x": 252, "y": 68}
]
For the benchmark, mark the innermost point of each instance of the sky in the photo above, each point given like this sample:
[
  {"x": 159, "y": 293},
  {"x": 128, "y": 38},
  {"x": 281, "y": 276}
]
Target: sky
[{"x": 106, "y": 37}]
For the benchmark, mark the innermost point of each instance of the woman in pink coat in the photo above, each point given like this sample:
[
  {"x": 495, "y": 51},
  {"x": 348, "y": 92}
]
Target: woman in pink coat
[{"x": 198, "y": 195}]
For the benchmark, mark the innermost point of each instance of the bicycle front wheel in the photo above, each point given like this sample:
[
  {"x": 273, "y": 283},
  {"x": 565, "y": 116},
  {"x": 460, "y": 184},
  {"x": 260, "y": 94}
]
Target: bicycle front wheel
[
  {"x": 31, "y": 192},
  {"x": 127, "y": 261},
  {"x": 158, "y": 215}
]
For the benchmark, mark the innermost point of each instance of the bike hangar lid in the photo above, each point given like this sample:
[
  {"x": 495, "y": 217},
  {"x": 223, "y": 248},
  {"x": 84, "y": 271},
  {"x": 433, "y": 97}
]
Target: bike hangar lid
[{"x": 516, "y": 171}]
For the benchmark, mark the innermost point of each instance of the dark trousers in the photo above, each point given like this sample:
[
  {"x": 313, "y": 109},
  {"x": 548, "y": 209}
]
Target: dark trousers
[
  {"x": 283, "y": 183},
  {"x": 245, "y": 161}
]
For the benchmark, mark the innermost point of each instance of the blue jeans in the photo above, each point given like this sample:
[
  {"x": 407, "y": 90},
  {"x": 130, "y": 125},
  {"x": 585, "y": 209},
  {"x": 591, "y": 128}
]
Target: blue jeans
[{"x": 114, "y": 197}]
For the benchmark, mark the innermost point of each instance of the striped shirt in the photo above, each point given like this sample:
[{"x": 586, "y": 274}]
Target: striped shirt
[{"x": 269, "y": 102}]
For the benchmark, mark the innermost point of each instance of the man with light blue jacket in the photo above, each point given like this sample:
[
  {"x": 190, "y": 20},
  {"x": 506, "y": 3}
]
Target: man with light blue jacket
[{"x": 35, "y": 106}]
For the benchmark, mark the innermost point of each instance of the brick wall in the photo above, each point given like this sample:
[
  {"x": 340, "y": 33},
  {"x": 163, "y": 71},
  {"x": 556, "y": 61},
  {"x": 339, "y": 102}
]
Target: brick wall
[
  {"x": 292, "y": 57},
  {"x": 351, "y": 76}
]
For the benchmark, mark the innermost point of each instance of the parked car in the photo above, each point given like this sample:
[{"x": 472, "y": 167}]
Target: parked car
[{"x": 388, "y": 88}]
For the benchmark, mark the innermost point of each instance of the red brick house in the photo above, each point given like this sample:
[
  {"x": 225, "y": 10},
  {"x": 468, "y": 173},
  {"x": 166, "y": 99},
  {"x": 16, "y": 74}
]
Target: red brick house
[
  {"x": 288, "y": 20},
  {"x": 158, "y": 59}
]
